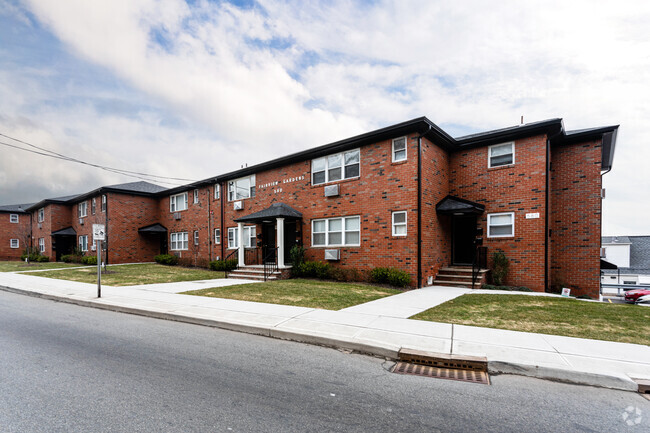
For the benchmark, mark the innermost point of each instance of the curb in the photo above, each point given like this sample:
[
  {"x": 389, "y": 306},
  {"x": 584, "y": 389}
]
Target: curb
[{"x": 611, "y": 381}]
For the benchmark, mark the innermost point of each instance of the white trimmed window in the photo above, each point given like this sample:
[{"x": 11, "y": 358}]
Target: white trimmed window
[
  {"x": 41, "y": 244},
  {"x": 217, "y": 191},
  {"x": 399, "y": 223},
  {"x": 82, "y": 209},
  {"x": 14, "y": 243},
  {"x": 501, "y": 225},
  {"x": 399, "y": 149},
  {"x": 178, "y": 202},
  {"x": 41, "y": 215},
  {"x": 196, "y": 237},
  {"x": 83, "y": 243},
  {"x": 241, "y": 188},
  {"x": 103, "y": 203},
  {"x": 93, "y": 206},
  {"x": 178, "y": 241},
  {"x": 217, "y": 236},
  {"x": 336, "y": 232},
  {"x": 335, "y": 167},
  {"x": 196, "y": 196},
  {"x": 501, "y": 154},
  {"x": 13, "y": 218},
  {"x": 250, "y": 239}
]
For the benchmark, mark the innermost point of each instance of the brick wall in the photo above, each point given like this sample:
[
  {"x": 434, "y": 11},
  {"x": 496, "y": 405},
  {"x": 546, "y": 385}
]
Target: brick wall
[
  {"x": 9, "y": 230},
  {"x": 576, "y": 217},
  {"x": 56, "y": 217}
]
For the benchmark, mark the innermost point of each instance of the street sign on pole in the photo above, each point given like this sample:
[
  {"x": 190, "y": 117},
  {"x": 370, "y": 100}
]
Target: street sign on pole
[{"x": 99, "y": 234}]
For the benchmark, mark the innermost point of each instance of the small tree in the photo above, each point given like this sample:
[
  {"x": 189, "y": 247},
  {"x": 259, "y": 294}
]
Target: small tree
[{"x": 500, "y": 264}]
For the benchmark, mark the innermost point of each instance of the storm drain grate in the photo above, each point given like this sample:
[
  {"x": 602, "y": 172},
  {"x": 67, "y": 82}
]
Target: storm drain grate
[{"x": 473, "y": 376}]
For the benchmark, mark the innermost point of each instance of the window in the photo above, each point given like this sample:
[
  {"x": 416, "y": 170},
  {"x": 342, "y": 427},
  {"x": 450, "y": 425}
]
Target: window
[
  {"x": 103, "y": 203},
  {"x": 196, "y": 196},
  {"x": 501, "y": 225},
  {"x": 83, "y": 243},
  {"x": 82, "y": 209},
  {"x": 14, "y": 243},
  {"x": 250, "y": 239},
  {"x": 41, "y": 215},
  {"x": 93, "y": 206},
  {"x": 13, "y": 218},
  {"x": 217, "y": 191},
  {"x": 501, "y": 154},
  {"x": 217, "y": 236},
  {"x": 178, "y": 202},
  {"x": 336, "y": 232},
  {"x": 196, "y": 237},
  {"x": 41, "y": 245},
  {"x": 335, "y": 167},
  {"x": 242, "y": 188},
  {"x": 399, "y": 149},
  {"x": 178, "y": 241},
  {"x": 399, "y": 223}
]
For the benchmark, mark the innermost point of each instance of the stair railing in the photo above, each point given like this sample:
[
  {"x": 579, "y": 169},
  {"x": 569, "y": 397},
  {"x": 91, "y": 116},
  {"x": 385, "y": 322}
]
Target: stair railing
[
  {"x": 225, "y": 262},
  {"x": 270, "y": 262},
  {"x": 479, "y": 262}
]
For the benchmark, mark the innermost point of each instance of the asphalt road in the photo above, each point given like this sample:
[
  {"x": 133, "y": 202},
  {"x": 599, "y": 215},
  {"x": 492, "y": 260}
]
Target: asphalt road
[{"x": 65, "y": 368}]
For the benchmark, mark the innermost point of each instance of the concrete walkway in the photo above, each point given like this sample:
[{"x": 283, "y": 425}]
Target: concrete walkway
[{"x": 380, "y": 327}]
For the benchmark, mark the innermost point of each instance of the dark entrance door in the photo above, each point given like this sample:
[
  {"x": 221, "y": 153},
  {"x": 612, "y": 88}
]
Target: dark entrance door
[
  {"x": 268, "y": 242},
  {"x": 290, "y": 238},
  {"x": 63, "y": 245},
  {"x": 463, "y": 233}
]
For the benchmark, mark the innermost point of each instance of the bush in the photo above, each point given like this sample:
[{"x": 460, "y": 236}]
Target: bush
[
  {"x": 314, "y": 269},
  {"x": 43, "y": 259},
  {"x": 499, "y": 269},
  {"x": 33, "y": 254},
  {"x": 394, "y": 277},
  {"x": 223, "y": 265},
  {"x": 72, "y": 258},
  {"x": 89, "y": 260},
  {"x": 508, "y": 288},
  {"x": 166, "y": 259},
  {"x": 297, "y": 257}
]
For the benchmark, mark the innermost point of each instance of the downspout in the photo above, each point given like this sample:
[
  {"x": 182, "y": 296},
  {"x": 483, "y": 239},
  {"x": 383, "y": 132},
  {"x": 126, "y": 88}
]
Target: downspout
[
  {"x": 106, "y": 258},
  {"x": 210, "y": 234},
  {"x": 547, "y": 233},
  {"x": 221, "y": 193},
  {"x": 419, "y": 277}
]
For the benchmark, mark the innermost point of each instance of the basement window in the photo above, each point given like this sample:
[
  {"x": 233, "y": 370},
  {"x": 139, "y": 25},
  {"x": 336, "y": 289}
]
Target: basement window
[
  {"x": 501, "y": 225},
  {"x": 501, "y": 154}
]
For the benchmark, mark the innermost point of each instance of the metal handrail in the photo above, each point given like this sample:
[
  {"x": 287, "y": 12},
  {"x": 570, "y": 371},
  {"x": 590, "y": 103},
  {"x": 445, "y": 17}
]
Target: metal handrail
[
  {"x": 479, "y": 260},
  {"x": 270, "y": 266},
  {"x": 225, "y": 260}
]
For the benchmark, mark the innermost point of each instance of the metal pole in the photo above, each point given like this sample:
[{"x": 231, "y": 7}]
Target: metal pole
[{"x": 99, "y": 269}]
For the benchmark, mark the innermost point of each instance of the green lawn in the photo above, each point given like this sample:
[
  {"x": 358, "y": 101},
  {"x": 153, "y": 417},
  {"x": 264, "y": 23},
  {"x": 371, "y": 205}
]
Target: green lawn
[
  {"x": 301, "y": 293},
  {"x": 558, "y": 316},
  {"x": 33, "y": 266},
  {"x": 131, "y": 275}
]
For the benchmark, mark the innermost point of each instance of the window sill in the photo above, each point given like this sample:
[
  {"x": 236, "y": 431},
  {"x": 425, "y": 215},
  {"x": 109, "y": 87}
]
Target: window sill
[
  {"x": 404, "y": 161},
  {"x": 335, "y": 246},
  {"x": 501, "y": 167}
]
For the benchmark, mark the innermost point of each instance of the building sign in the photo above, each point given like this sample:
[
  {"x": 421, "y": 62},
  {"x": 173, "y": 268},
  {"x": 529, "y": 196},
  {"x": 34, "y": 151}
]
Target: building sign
[
  {"x": 530, "y": 216},
  {"x": 280, "y": 182}
]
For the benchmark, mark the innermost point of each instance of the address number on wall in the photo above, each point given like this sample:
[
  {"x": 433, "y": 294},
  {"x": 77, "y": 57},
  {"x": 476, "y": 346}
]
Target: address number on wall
[{"x": 530, "y": 216}]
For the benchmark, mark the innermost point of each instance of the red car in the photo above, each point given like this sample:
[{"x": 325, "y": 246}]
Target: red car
[{"x": 633, "y": 295}]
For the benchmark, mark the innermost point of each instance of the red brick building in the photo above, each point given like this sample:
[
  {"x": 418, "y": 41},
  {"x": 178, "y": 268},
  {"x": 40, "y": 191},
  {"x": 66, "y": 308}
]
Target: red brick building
[
  {"x": 14, "y": 231},
  {"x": 407, "y": 196}
]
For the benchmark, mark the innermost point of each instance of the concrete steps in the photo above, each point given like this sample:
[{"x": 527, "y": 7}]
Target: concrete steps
[
  {"x": 460, "y": 276},
  {"x": 256, "y": 272}
]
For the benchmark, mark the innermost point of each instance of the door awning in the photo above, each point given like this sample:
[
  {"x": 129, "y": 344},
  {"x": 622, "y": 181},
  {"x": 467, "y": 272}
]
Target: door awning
[
  {"x": 69, "y": 231},
  {"x": 153, "y": 229},
  {"x": 452, "y": 205},
  {"x": 276, "y": 210},
  {"x": 604, "y": 264}
]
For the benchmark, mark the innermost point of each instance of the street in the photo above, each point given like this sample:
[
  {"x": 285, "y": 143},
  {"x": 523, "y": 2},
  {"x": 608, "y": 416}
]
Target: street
[{"x": 66, "y": 368}]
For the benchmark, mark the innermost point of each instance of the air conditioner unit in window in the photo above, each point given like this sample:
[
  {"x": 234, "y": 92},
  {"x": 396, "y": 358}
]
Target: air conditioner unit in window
[
  {"x": 332, "y": 255},
  {"x": 332, "y": 190},
  {"x": 81, "y": 221},
  {"x": 238, "y": 205},
  {"x": 177, "y": 215}
]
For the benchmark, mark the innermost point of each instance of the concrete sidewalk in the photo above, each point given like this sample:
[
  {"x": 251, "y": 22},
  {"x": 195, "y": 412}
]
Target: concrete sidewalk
[{"x": 380, "y": 327}]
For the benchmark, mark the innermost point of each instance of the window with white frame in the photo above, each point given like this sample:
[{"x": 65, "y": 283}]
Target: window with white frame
[
  {"x": 178, "y": 241},
  {"x": 217, "y": 236},
  {"x": 399, "y": 223},
  {"x": 41, "y": 215},
  {"x": 250, "y": 239},
  {"x": 14, "y": 243},
  {"x": 41, "y": 245},
  {"x": 196, "y": 196},
  {"x": 501, "y": 225},
  {"x": 13, "y": 218},
  {"x": 217, "y": 191},
  {"x": 93, "y": 206},
  {"x": 501, "y": 154},
  {"x": 399, "y": 149},
  {"x": 82, "y": 209},
  {"x": 335, "y": 167},
  {"x": 241, "y": 188},
  {"x": 344, "y": 231},
  {"x": 103, "y": 203},
  {"x": 178, "y": 202},
  {"x": 83, "y": 243},
  {"x": 196, "y": 237}
]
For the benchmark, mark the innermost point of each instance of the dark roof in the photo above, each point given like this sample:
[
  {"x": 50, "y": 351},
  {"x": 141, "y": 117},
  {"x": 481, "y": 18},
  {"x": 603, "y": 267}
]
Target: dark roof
[
  {"x": 153, "y": 229},
  {"x": 15, "y": 208},
  {"x": 452, "y": 205},
  {"x": 550, "y": 127},
  {"x": 639, "y": 255},
  {"x": 69, "y": 231},
  {"x": 57, "y": 200},
  {"x": 615, "y": 240},
  {"x": 276, "y": 210}
]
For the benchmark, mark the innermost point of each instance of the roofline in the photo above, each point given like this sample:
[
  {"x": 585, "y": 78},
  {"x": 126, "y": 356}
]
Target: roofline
[
  {"x": 86, "y": 195},
  {"x": 549, "y": 127},
  {"x": 47, "y": 201}
]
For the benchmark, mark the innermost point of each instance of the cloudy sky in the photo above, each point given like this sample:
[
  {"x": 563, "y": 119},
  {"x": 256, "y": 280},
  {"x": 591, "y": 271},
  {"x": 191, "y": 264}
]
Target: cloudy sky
[{"x": 193, "y": 89}]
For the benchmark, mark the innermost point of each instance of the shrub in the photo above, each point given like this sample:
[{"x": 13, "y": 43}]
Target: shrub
[
  {"x": 33, "y": 254},
  {"x": 499, "y": 269},
  {"x": 379, "y": 275},
  {"x": 223, "y": 265},
  {"x": 394, "y": 277},
  {"x": 508, "y": 288},
  {"x": 202, "y": 263},
  {"x": 297, "y": 257},
  {"x": 314, "y": 269},
  {"x": 187, "y": 262},
  {"x": 67, "y": 258},
  {"x": 43, "y": 259},
  {"x": 89, "y": 260},
  {"x": 166, "y": 259}
]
